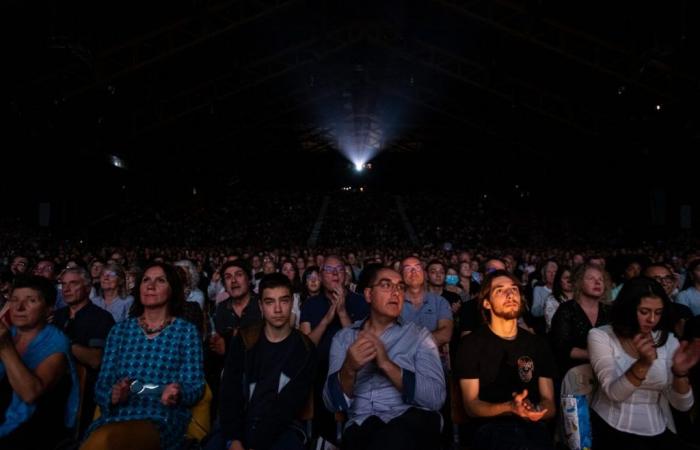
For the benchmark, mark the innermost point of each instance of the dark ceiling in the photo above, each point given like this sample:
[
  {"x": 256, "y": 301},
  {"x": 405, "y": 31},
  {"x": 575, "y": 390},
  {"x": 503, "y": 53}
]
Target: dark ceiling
[{"x": 272, "y": 90}]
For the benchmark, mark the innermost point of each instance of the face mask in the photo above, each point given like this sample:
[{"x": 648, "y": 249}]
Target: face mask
[{"x": 452, "y": 280}]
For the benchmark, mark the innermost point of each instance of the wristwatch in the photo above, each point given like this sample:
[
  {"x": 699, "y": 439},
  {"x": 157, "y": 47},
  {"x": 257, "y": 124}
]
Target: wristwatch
[{"x": 139, "y": 387}]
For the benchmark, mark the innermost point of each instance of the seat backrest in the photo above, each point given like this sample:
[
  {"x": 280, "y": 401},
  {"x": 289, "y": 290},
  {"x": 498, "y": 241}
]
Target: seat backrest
[
  {"x": 579, "y": 380},
  {"x": 81, "y": 373}
]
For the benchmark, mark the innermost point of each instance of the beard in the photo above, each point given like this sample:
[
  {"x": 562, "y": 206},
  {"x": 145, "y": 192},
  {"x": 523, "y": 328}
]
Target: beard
[{"x": 508, "y": 314}]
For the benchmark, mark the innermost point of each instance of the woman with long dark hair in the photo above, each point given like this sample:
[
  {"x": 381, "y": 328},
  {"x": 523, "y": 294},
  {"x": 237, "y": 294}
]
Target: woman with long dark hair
[{"x": 641, "y": 368}]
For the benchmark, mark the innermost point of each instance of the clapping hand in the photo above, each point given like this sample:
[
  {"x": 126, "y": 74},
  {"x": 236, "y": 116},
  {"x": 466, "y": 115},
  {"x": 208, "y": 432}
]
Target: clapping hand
[
  {"x": 522, "y": 406},
  {"x": 686, "y": 356}
]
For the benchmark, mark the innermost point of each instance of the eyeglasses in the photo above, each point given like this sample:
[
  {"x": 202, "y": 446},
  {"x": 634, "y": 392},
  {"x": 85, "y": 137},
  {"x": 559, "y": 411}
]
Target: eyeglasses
[
  {"x": 387, "y": 286},
  {"x": 334, "y": 270},
  {"x": 666, "y": 279},
  {"x": 414, "y": 268}
]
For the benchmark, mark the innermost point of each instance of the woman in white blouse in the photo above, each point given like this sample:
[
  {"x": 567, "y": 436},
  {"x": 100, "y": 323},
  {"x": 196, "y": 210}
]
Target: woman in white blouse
[{"x": 641, "y": 368}]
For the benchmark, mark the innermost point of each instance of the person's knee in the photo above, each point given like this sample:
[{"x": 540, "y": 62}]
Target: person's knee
[{"x": 97, "y": 440}]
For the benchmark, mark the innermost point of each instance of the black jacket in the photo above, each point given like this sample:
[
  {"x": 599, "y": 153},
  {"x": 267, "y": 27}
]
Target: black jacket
[{"x": 262, "y": 431}]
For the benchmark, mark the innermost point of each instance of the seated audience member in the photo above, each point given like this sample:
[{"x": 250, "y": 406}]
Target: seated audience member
[
  {"x": 151, "y": 371},
  {"x": 239, "y": 310},
  {"x": 112, "y": 295},
  {"x": 562, "y": 291},
  {"x": 322, "y": 316},
  {"x": 506, "y": 373},
  {"x": 424, "y": 307},
  {"x": 385, "y": 373},
  {"x": 268, "y": 375},
  {"x": 38, "y": 387},
  {"x": 641, "y": 368},
  {"x": 86, "y": 327},
  {"x": 680, "y": 314},
  {"x": 573, "y": 319},
  {"x": 690, "y": 295}
]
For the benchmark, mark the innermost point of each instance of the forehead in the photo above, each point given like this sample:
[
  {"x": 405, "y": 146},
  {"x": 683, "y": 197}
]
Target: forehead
[
  {"x": 495, "y": 264},
  {"x": 155, "y": 272},
  {"x": 234, "y": 270},
  {"x": 276, "y": 292},
  {"x": 657, "y": 271},
  {"x": 435, "y": 266},
  {"x": 18, "y": 259},
  {"x": 411, "y": 261},
  {"x": 70, "y": 276},
  {"x": 25, "y": 292},
  {"x": 388, "y": 274},
  {"x": 502, "y": 281},
  {"x": 333, "y": 261},
  {"x": 651, "y": 302},
  {"x": 592, "y": 271}
]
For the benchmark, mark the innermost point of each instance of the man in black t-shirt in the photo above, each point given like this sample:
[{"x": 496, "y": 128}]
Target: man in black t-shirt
[{"x": 505, "y": 373}]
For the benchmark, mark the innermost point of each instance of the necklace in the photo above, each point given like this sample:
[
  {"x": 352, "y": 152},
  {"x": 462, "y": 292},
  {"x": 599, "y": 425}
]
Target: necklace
[{"x": 148, "y": 330}]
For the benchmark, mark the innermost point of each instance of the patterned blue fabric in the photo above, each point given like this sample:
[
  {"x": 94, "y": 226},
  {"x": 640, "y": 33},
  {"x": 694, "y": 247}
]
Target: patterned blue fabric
[{"x": 174, "y": 356}]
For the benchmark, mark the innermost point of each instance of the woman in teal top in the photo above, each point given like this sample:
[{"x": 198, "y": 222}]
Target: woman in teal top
[{"x": 151, "y": 370}]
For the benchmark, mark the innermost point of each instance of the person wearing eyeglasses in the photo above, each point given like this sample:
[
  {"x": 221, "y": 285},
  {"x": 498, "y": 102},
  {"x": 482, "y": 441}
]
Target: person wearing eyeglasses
[
  {"x": 424, "y": 307},
  {"x": 385, "y": 374},
  {"x": 322, "y": 316},
  {"x": 680, "y": 313}
]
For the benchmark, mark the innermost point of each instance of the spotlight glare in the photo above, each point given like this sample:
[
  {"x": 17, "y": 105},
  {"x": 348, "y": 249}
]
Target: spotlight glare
[{"x": 359, "y": 166}]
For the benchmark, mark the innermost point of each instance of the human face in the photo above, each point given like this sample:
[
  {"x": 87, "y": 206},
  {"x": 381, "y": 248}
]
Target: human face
[
  {"x": 632, "y": 271},
  {"x": 19, "y": 265},
  {"x": 268, "y": 267},
  {"x": 155, "y": 289},
  {"x": 236, "y": 282},
  {"x": 74, "y": 289},
  {"x": 436, "y": 275},
  {"x": 276, "y": 306},
  {"x": 288, "y": 270},
  {"x": 663, "y": 276},
  {"x": 28, "y": 310},
  {"x": 412, "y": 273},
  {"x": 96, "y": 270},
  {"x": 313, "y": 283},
  {"x": 550, "y": 272},
  {"x": 301, "y": 265},
  {"x": 593, "y": 283},
  {"x": 504, "y": 299},
  {"x": 566, "y": 284},
  {"x": 351, "y": 259},
  {"x": 333, "y": 274},
  {"x": 649, "y": 313},
  {"x": 509, "y": 261},
  {"x": 465, "y": 270},
  {"x": 109, "y": 280},
  {"x": 44, "y": 269},
  {"x": 256, "y": 262},
  {"x": 387, "y": 294}
]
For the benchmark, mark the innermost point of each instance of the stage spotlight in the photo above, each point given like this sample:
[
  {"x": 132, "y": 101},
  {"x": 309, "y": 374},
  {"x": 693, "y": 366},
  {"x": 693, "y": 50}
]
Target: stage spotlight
[{"x": 359, "y": 166}]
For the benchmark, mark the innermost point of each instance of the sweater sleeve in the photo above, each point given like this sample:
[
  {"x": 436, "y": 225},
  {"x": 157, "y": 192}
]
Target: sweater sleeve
[
  {"x": 109, "y": 370},
  {"x": 192, "y": 373}
]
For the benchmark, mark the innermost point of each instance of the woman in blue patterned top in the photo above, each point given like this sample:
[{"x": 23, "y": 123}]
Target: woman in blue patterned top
[{"x": 151, "y": 371}]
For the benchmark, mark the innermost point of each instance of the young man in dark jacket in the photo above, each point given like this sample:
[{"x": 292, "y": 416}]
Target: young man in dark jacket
[{"x": 267, "y": 377}]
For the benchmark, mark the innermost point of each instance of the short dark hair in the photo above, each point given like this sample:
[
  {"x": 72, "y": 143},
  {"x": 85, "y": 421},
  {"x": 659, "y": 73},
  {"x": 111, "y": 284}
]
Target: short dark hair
[
  {"x": 44, "y": 286},
  {"x": 623, "y": 316},
  {"x": 176, "y": 302},
  {"x": 485, "y": 291},
  {"x": 272, "y": 281},
  {"x": 241, "y": 264},
  {"x": 438, "y": 262},
  {"x": 369, "y": 276}
]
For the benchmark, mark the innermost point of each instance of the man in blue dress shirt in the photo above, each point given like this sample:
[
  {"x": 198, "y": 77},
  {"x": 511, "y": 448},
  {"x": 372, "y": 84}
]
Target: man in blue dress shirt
[{"x": 385, "y": 374}]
